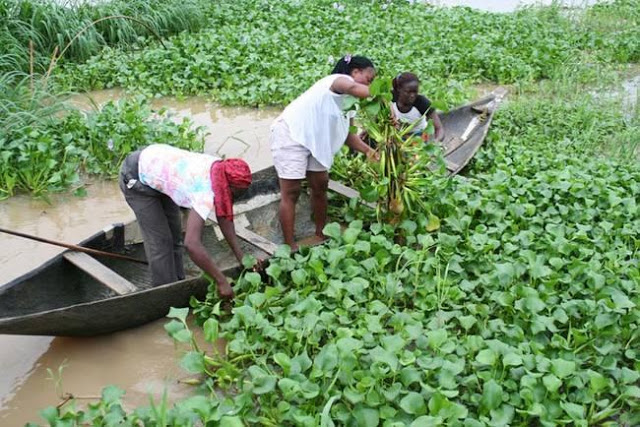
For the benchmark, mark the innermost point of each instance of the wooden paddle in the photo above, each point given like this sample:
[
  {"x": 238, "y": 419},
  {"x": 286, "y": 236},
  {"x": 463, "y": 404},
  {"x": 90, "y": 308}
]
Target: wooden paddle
[{"x": 73, "y": 247}]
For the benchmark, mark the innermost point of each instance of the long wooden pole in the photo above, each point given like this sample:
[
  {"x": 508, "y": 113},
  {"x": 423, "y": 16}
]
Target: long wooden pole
[{"x": 73, "y": 247}]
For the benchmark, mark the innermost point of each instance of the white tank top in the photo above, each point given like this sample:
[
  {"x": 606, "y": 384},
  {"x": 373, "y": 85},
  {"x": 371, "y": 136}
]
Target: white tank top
[
  {"x": 411, "y": 116},
  {"x": 316, "y": 119}
]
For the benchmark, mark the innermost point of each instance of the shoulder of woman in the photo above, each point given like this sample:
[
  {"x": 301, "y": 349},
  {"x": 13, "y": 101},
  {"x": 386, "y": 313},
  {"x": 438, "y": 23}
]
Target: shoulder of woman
[
  {"x": 342, "y": 78},
  {"x": 340, "y": 83},
  {"x": 422, "y": 103}
]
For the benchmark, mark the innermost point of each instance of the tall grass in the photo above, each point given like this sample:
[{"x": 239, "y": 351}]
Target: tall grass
[
  {"x": 49, "y": 25},
  {"x": 30, "y": 161},
  {"x": 26, "y": 102}
]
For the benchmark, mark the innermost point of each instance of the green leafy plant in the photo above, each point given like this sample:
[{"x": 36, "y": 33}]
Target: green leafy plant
[
  {"x": 48, "y": 153},
  {"x": 405, "y": 164},
  {"x": 239, "y": 59},
  {"x": 519, "y": 306}
]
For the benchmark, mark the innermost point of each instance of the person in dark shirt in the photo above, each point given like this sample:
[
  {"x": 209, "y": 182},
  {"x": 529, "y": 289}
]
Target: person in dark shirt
[{"x": 409, "y": 107}]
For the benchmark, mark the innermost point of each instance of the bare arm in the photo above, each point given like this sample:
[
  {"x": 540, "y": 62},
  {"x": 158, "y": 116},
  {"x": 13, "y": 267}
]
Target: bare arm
[
  {"x": 438, "y": 129},
  {"x": 345, "y": 85},
  {"x": 355, "y": 142},
  {"x": 229, "y": 232},
  {"x": 199, "y": 255}
]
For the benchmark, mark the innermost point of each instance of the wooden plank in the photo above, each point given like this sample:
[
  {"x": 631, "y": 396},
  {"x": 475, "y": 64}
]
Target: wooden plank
[
  {"x": 257, "y": 240},
  {"x": 452, "y": 167},
  {"x": 348, "y": 192},
  {"x": 453, "y": 144},
  {"x": 100, "y": 272},
  {"x": 343, "y": 189}
]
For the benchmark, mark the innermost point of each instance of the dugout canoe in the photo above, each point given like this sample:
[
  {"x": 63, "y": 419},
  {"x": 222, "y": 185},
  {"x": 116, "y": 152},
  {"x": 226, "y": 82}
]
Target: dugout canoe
[{"x": 76, "y": 294}]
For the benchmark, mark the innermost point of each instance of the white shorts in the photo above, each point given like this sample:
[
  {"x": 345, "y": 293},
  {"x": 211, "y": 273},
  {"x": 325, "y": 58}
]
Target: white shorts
[{"x": 291, "y": 159}]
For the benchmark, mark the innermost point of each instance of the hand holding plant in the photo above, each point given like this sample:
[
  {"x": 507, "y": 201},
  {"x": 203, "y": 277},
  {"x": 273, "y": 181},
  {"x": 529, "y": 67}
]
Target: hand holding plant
[
  {"x": 402, "y": 168},
  {"x": 373, "y": 156},
  {"x": 259, "y": 265},
  {"x": 224, "y": 289}
]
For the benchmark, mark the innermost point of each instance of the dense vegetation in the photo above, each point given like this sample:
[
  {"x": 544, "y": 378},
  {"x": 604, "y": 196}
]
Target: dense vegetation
[
  {"x": 40, "y": 29},
  {"x": 47, "y": 152},
  {"x": 44, "y": 144},
  {"x": 231, "y": 53},
  {"x": 518, "y": 306},
  {"x": 242, "y": 59},
  {"x": 521, "y": 309}
]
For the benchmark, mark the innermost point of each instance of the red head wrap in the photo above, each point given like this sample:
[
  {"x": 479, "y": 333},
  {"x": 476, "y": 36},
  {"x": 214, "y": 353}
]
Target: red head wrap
[{"x": 225, "y": 174}]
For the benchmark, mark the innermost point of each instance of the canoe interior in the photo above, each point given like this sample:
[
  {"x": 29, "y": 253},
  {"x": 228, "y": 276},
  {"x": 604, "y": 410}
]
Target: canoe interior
[{"x": 456, "y": 122}]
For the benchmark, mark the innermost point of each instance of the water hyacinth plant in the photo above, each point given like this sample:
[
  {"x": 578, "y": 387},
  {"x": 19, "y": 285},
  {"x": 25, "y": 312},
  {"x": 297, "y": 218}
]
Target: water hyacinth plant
[
  {"x": 406, "y": 165},
  {"x": 520, "y": 309},
  {"x": 42, "y": 152},
  {"x": 447, "y": 47}
]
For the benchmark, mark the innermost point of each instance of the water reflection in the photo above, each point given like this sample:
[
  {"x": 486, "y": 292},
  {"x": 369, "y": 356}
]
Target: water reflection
[{"x": 143, "y": 361}]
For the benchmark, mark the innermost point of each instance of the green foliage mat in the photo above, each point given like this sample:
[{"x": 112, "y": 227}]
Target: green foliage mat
[
  {"x": 521, "y": 309},
  {"x": 257, "y": 52},
  {"x": 48, "y": 154}
]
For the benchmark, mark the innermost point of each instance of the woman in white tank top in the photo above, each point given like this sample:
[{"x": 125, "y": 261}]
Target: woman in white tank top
[{"x": 310, "y": 131}]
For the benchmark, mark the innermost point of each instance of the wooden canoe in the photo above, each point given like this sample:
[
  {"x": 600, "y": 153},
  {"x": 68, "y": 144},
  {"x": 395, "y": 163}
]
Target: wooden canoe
[{"x": 75, "y": 294}]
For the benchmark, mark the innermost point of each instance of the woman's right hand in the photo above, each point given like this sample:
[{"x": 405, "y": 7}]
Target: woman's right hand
[
  {"x": 373, "y": 155},
  {"x": 259, "y": 265}
]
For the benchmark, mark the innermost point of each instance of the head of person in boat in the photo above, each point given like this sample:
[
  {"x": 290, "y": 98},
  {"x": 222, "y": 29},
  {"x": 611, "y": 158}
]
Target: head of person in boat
[
  {"x": 310, "y": 131},
  {"x": 159, "y": 179},
  {"x": 410, "y": 108}
]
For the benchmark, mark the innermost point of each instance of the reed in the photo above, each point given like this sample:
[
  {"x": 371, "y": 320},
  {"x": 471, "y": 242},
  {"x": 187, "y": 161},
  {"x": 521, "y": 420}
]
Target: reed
[{"x": 47, "y": 25}]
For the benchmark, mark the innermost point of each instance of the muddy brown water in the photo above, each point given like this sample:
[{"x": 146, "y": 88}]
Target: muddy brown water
[{"x": 143, "y": 361}]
